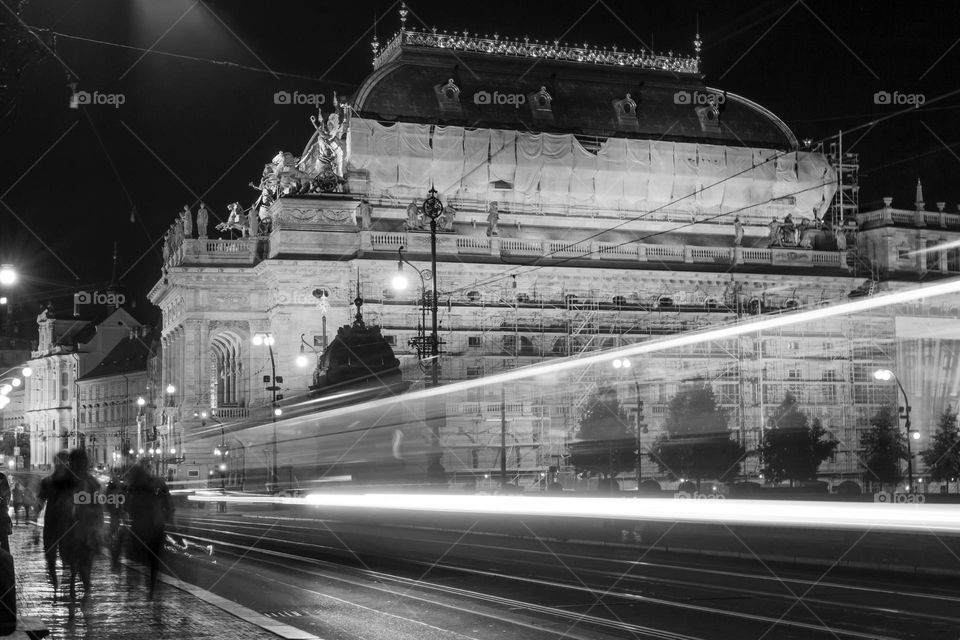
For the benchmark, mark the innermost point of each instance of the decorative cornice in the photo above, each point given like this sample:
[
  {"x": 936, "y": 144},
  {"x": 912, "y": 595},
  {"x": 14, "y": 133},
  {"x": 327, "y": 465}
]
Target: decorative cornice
[{"x": 527, "y": 49}]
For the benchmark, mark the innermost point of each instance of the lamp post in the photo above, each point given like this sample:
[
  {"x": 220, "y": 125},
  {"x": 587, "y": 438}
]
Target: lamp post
[
  {"x": 432, "y": 209},
  {"x": 141, "y": 403},
  {"x": 886, "y": 375},
  {"x": 624, "y": 363},
  {"x": 261, "y": 338}
]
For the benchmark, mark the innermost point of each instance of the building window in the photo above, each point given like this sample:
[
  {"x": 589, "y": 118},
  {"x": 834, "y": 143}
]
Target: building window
[
  {"x": 474, "y": 372},
  {"x": 829, "y": 374},
  {"x": 390, "y": 340},
  {"x": 903, "y": 251},
  {"x": 474, "y": 341}
]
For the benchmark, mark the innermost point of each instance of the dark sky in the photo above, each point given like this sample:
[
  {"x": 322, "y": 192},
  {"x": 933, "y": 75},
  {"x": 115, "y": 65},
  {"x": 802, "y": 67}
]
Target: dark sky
[{"x": 189, "y": 129}]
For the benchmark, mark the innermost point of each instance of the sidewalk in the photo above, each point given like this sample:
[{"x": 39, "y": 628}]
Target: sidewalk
[{"x": 118, "y": 607}]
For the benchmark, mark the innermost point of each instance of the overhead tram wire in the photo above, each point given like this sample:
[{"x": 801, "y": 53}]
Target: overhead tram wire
[
  {"x": 182, "y": 56},
  {"x": 559, "y": 261}
]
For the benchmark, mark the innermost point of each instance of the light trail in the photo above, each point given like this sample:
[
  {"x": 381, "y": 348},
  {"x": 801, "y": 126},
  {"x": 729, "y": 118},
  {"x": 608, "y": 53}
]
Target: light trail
[{"x": 770, "y": 513}]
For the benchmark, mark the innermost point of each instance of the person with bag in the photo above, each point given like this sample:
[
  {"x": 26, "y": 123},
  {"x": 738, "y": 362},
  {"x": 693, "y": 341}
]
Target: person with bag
[{"x": 80, "y": 543}]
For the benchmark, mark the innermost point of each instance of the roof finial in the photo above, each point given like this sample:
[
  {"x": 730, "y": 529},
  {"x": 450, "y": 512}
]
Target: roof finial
[
  {"x": 403, "y": 15},
  {"x": 375, "y": 43},
  {"x": 697, "y": 42},
  {"x": 919, "y": 203}
]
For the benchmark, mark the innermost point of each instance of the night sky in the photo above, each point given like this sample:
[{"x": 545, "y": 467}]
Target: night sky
[{"x": 191, "y": 129}]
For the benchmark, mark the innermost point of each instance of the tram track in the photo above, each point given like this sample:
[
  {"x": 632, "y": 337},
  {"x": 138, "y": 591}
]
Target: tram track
[{"x": 636, "y": 590}]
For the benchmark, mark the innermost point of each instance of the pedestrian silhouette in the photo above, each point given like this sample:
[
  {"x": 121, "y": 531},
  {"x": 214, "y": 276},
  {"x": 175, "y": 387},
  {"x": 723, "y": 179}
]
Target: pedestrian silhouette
[
  {"x": 19, "y": 501},
  {"x": 6, "y": 525},
  {"x": 149, "y": 507},
  {"x": 53, "y": 499},
  {"x": 81, "y": 540},
  {"x": 115, "y": 498}
]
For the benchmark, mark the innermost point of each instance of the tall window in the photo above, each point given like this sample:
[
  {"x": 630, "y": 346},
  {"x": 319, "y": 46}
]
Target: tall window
[{"x": 226, "y": 370}]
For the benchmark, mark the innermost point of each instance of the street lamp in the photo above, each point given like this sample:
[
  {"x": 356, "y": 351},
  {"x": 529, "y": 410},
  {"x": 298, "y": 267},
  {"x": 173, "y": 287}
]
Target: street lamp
[
  {"x": 625, "y": 364},
  {"x": 265, "y": 338},
  {"x": 302, "y": 359},
  {"x": 141, "y": 403},
  {"x": 8, "y": 275},
  {"x": 886, "y": 375}
]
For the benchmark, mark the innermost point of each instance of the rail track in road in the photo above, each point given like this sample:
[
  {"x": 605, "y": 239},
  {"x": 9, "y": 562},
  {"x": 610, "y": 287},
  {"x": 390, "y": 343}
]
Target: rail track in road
[{"x": 568, "y": 586}]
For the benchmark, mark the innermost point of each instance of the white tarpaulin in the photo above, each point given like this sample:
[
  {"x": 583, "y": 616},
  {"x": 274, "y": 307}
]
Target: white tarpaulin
[
  {"x": 416, "y": 156},
  {"x": 503, "y": 155},
  {"x": 739, "y": 184},
  {"x": 786, "y": 185},
  {"x": 660, "y": 189},
  {"x": 556, "y": 169},
  {"x": 447, "y": 165},
  {"x": 764, "y": 176},
  {"x": 637, "y": 174},
  {"x": 612, "y": 172},
  {"x": 529, "y": 164},
  {"x": 583, "y": 178},
  {"x": 685, "y": 176},
  {"x": 476, "y": 177},
  {"x": 816, "y": 184},
  {"x": 711, "y": 166}
]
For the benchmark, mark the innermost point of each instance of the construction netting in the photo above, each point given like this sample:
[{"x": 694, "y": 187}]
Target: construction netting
[{"x": 404, "y": 160}]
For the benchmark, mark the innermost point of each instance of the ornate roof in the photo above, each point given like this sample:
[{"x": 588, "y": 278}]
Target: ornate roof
[{"x": 449, "y": 79}]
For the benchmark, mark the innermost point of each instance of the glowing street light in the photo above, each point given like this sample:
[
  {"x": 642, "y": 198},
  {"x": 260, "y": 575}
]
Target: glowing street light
[
  {"x": 885, "y": 375},
  {"x": 8, "y": 275}
]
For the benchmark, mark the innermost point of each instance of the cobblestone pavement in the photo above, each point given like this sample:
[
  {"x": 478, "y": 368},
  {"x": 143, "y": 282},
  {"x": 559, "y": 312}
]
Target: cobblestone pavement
[{"x": 118, "y": 606}]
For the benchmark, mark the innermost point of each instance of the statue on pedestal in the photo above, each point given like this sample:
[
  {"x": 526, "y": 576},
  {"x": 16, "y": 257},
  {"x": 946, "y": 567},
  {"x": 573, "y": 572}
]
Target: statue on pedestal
[
  {"x": 449, "y": 214},
  {"x": 166, "y": 245},
  {"x": 364, "y": 215},
  {"x": 737, "y": 232},
  {"x": 202, "y": 214},
  {"x": 187, "y": 218},
  {"x": 253, "y": 223},
  {"x": 493, "y": 219},
  {"x": 413, "y": 217},
  {"x": 178, "y": 232},
  {"x": 234, "y": 222}
]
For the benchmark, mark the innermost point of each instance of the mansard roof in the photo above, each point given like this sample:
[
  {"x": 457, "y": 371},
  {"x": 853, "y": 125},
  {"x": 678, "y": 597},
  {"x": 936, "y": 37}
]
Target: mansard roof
[
  {"x": 128, "y": 356},
  {"x": 585, "y": 88}
]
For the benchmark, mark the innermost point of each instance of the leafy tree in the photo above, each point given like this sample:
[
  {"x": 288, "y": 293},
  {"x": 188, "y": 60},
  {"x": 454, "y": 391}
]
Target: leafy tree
[
  {"x": 792, "y": 448},
  {"x": 884, "y": 446},
  {"x": 696, "y": 443},
  {"x": 943, "y": 457},
  {"x": 606, "y": 444}
]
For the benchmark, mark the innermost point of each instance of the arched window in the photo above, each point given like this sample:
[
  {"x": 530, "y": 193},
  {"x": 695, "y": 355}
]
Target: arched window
[{"x": 227, "y": 386}]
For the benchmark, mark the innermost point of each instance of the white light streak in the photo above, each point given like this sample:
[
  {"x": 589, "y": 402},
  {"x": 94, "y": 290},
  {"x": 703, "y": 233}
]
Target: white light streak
[{"x": 768, "y": 513}]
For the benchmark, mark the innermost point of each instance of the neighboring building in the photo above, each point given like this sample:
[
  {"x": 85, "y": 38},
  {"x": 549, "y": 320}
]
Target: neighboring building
[
  {"x": 68, "y": 348},
  {"x": 110, "y": 420},
  {"x": 595, "y": 206}
]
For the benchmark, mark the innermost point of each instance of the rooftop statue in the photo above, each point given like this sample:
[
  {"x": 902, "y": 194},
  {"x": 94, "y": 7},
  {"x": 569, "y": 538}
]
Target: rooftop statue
[
  {"x": 235, "y": 221},
  {"x": 322, "y": 158}
]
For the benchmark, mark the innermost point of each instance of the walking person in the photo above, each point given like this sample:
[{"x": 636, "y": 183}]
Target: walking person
[
  {"x": 6, "y": 525},
  {"x": 81, "y": 541},
  {"x": 20, "y": 502},
  {"x": 150, "y": 509},
  {"x": 53, "y": 499}
]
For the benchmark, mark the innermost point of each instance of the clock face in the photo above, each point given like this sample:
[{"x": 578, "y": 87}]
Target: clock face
[{"x": 432, "y": 208}]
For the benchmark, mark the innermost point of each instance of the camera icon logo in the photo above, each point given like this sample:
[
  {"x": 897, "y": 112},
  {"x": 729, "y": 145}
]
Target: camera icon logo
[
  {"x": 83, "y": 97},
  {"x": 482, "y": 97},
  {"x": 682, "y": 97},
  {"x": 82, "y": 497},
  {"x": 282, "y": 97},
  {"x": 882, "y": 97},
  {"x": 83, "y": 297}
]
